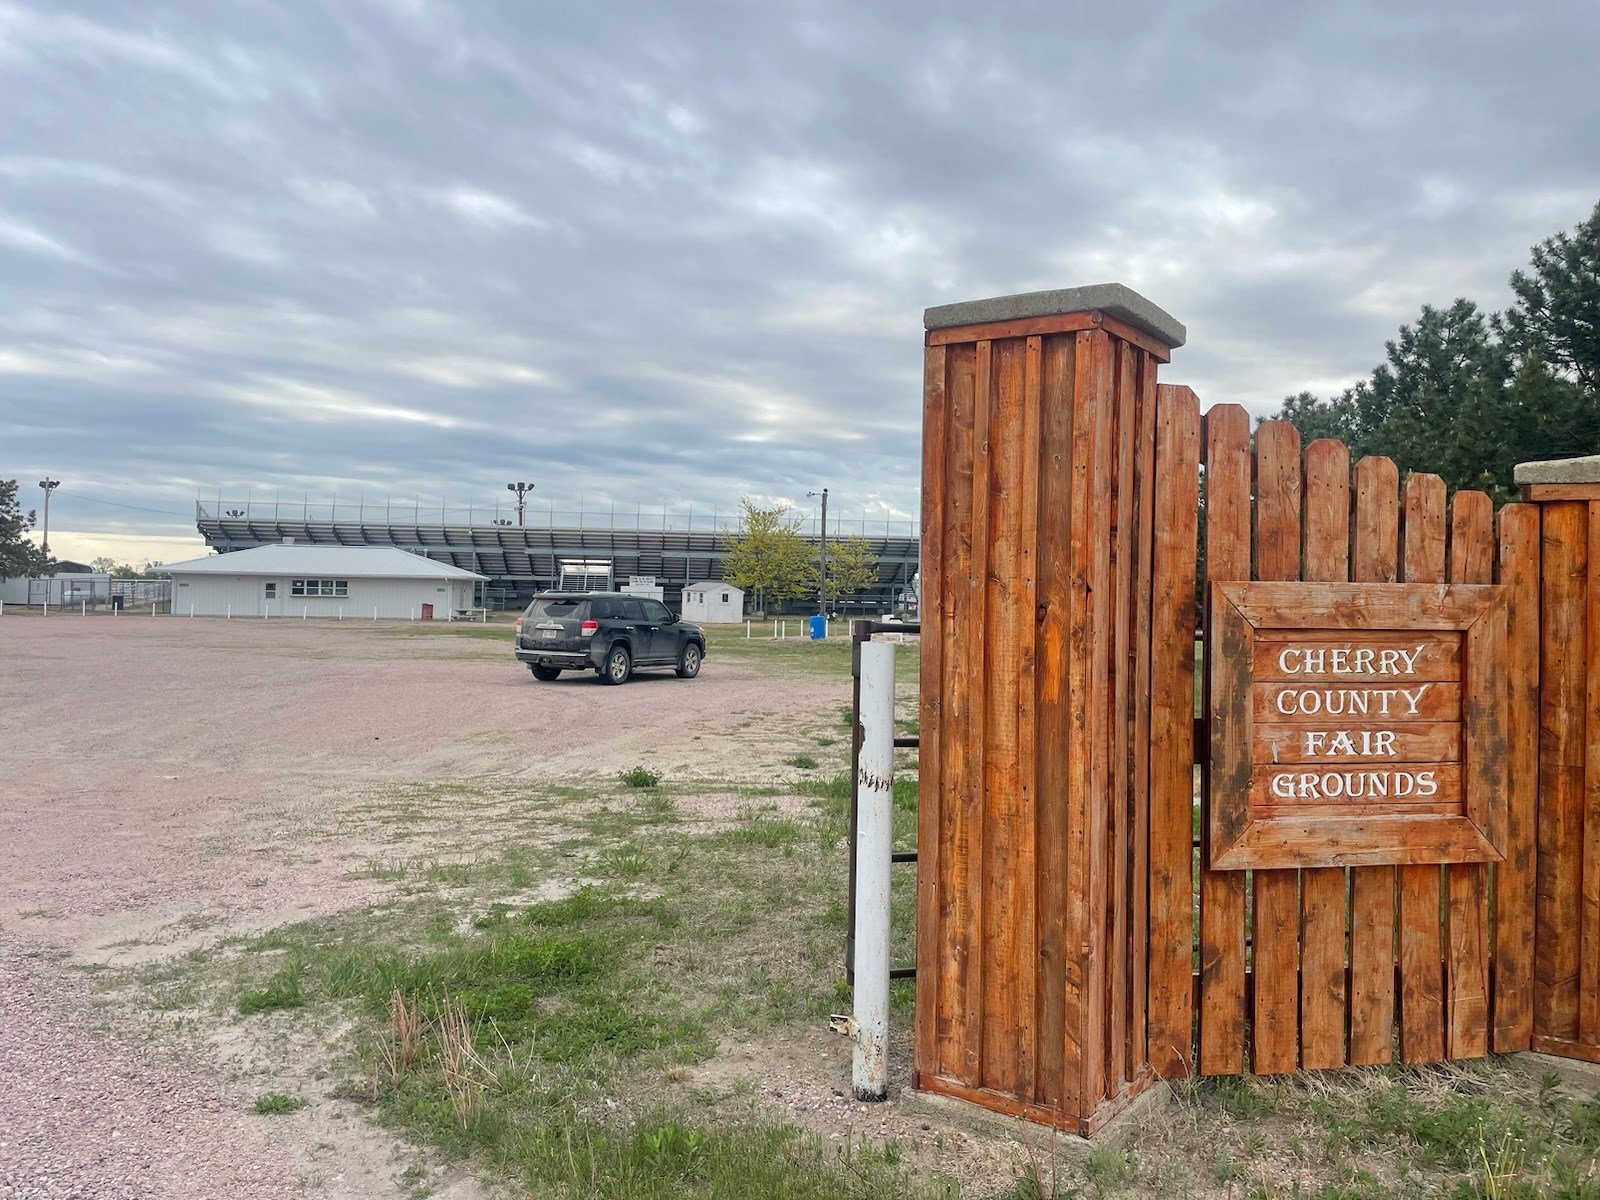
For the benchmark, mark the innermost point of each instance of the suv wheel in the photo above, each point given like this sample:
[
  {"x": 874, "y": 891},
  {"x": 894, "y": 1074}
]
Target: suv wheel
[
  {"x": 618, "y": 666},
  {"x": 545, "y": 674},
  {"x": 689, "y": 661}
]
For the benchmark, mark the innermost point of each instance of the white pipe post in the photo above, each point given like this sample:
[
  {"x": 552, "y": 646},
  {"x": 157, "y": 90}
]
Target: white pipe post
[
  {"x": 374, "y": 612},
  {"x": 747, "y": 631},
  {"x": 191, "y": 610},
  {"x": 341, "y": 612},
  {"x": 869, "y": 1071},
  {"x": 83, "y": 608},
  {"x": 774, "y": 631},
  {"x": 305, "y": 611}
]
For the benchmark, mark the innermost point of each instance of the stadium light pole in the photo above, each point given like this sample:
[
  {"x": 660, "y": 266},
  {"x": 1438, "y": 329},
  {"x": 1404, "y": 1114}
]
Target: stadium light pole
[
  {"x": 522, "y": 490},
  {"x": 49, "y": 485},
  {"x": 822, "y": 576}
]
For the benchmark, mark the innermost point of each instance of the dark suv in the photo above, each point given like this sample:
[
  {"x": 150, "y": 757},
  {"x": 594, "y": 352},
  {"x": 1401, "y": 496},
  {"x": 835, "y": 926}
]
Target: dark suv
[{"x": 605, "y": 632}]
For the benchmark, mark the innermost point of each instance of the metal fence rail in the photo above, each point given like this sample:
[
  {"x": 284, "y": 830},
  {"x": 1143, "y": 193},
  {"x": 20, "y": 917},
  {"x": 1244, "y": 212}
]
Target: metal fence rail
[{"x": 864, "y": 631}]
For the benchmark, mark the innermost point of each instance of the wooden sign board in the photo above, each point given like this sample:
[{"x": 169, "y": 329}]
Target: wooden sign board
[{"x": 1356, "y": 724}]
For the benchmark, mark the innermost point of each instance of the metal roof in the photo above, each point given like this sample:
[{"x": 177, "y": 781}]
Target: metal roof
[
  {"x": 721, "y": 585},
  {"x": 347, "y": 562}
]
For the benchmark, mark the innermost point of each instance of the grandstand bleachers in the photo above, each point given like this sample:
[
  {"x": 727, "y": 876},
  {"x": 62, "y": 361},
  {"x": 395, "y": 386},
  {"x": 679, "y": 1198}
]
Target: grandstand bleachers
[{"x": 522, "y": 559}]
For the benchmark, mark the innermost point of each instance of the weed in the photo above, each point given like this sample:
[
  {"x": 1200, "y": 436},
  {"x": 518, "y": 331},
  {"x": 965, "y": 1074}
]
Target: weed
[
  {"x": 804, "y": 761},
  {"x": 640, "y": 777},
  {"x": 276, "y": 1104},
  {"x": 658, "y": 804}
]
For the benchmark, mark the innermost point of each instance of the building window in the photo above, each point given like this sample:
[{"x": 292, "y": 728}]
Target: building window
[
  {"x": 319, "y": 587},
  {"x": 272, "y": 591},
  {"x": 724, "y": 597}
]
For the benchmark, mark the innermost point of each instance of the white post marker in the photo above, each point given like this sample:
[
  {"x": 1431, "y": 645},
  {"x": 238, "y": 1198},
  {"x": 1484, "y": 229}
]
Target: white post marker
[
  {"x": 230, "y": 612},
  {"x": 869, "y": 1072},
  {"x": 83, "y": 608},
  {"x": 747, "y": 631},
  {"x": 191, "y": 610}
]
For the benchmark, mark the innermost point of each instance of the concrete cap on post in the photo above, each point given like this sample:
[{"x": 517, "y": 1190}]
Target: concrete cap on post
[
  {"x": 1559, "y": 470},
  {"x": 1113, "y": 299}
]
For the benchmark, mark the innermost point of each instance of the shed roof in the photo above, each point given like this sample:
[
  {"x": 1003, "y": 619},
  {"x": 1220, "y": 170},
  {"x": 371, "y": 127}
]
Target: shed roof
[
  {"x": 382, "y": 562},
  {"x": 715, "y": 585}
]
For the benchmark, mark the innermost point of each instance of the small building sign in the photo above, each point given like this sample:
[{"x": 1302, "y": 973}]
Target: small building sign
[{"x": 1356, "y": 724}]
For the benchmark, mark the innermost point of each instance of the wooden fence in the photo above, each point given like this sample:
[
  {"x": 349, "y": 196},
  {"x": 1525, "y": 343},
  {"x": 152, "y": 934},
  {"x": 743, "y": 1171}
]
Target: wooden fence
[{"x": 1084, "y": 924}]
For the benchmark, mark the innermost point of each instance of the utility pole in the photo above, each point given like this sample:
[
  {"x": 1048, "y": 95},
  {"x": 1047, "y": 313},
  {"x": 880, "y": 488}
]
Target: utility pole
[
  {"x": 49, "y": 485},
  {"x": 822, "y": 577},
  {"x": 522, "y": 490}
]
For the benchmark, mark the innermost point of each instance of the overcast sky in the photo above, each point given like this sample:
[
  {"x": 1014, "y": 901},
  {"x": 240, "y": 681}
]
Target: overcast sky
[{"x": 670, "y": 253}]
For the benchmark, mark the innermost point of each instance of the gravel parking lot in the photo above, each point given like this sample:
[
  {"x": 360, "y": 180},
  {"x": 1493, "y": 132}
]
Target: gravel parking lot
[{"x": 161, "y": 780}]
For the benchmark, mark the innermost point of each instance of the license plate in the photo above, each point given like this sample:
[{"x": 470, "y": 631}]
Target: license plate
[{"x": 549, "y": 633}]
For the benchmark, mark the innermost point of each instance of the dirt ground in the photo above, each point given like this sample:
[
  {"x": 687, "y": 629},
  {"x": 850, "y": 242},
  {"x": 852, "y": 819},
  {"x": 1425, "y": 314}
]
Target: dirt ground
[{"x": 166, "y": 782}]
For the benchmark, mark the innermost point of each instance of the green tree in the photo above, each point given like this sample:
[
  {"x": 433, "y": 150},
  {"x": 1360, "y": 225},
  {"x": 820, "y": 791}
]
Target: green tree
[
  {"x": 1467, "y": 397},
  {"x": 19, "y": 557},
  {"x": 852, "y": 566},
  {"x": 104, "y": 565},
  {"x": 767, "y": 556},
  {"x": 1556, "y": 315}
]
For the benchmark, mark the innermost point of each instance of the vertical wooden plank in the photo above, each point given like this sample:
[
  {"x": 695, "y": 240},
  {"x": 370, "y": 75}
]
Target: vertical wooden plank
[
  {"x": 975, "y": 661},
  {"x": 1564, "y": 555},
  {"x": 1589, "y": 940},
  {"x": 1275, "y": 1027},
  {"x": 1058, "y": 517},
  {"x": 1144, "y": 530},
  {"x": 1422, "y": 1016},
  {"x": 1222, "y": 893},
  {"x": 935, "y": 427},
  {"x": 957, "y": 813},
  {"x": 1101, "y": 518},
  {"x": 1081, "y": 1005},
  {"x": 1375, "y": 559},
  {"x": 1467, "y": 884},
  {"x": 1119, "y": 727},
  {"x": 1172, "y": 630},
  {"x": 1025, "y": 952},
  {"x": 1322, "y": 890},
  {"x": 1002, "y": 669},
  {"x": 1513, "y": 878}
]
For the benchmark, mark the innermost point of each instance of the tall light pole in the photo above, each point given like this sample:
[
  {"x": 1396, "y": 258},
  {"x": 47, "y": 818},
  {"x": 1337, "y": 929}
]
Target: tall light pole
[
  {"x": 49, "y": 485},
  {"x": 522, "y": 490},
  {"x": 822, "y": 577}
]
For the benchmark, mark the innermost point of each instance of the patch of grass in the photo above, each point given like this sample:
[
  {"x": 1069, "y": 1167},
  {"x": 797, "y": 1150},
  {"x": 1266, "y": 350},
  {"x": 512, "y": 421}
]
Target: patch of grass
[
  {"x": 276, "y": 1104},
  {"x": 640, "y": 777},
  {"x": 804, "y": 761},
  {"x": 282, "y": 990}
]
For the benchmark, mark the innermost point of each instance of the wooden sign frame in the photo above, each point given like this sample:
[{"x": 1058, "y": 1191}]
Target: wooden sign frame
[{"x": 1241, "y": 839}]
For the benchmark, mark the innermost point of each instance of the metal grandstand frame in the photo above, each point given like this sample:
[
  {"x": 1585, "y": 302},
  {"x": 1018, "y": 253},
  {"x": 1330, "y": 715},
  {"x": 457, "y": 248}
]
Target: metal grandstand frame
[{"x": 678, "y": 548}]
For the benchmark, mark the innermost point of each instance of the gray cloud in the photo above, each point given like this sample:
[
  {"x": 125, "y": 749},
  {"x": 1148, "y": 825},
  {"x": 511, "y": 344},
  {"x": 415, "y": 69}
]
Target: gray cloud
[{"x": 674, "y": 253}]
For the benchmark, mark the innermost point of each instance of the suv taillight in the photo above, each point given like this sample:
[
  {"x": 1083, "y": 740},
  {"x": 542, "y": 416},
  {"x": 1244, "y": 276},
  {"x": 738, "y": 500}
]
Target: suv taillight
[
  {"x": 589, "y": 628},
  {"x": 519, "y": 624}
]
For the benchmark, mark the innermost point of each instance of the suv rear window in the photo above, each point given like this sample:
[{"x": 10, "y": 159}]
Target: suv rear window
[{"x": 558, "y": 607}]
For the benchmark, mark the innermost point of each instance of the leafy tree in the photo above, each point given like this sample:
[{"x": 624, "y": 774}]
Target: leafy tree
[
  {"x": 852, "y": 566},
  {"x": 103, "y": 565},
  {"x": 767, "y": 556},
  {"x": 19, "y": 557},
  {"x": 1556, "y": 315}
]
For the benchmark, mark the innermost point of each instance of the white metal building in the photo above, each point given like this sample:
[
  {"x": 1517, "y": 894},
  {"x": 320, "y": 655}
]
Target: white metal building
[
  {"x": 321, "y": 581},
  {"x": 713, "y": 601}
]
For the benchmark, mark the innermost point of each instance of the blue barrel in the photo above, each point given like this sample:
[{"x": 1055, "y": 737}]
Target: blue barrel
[{"x": 819, "y": 627}]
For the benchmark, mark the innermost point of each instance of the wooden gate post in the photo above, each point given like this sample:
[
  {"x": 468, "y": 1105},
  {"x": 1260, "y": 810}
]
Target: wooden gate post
[
  {"x": 1566, "y": 976},
  {"x": 1038, "y": 533}
]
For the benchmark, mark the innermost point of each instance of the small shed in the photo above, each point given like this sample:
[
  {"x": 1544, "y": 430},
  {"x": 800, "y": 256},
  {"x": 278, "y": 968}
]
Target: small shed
[
  {"x": 713, "y": 601},
  {"x": 321, "y": 581}
]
